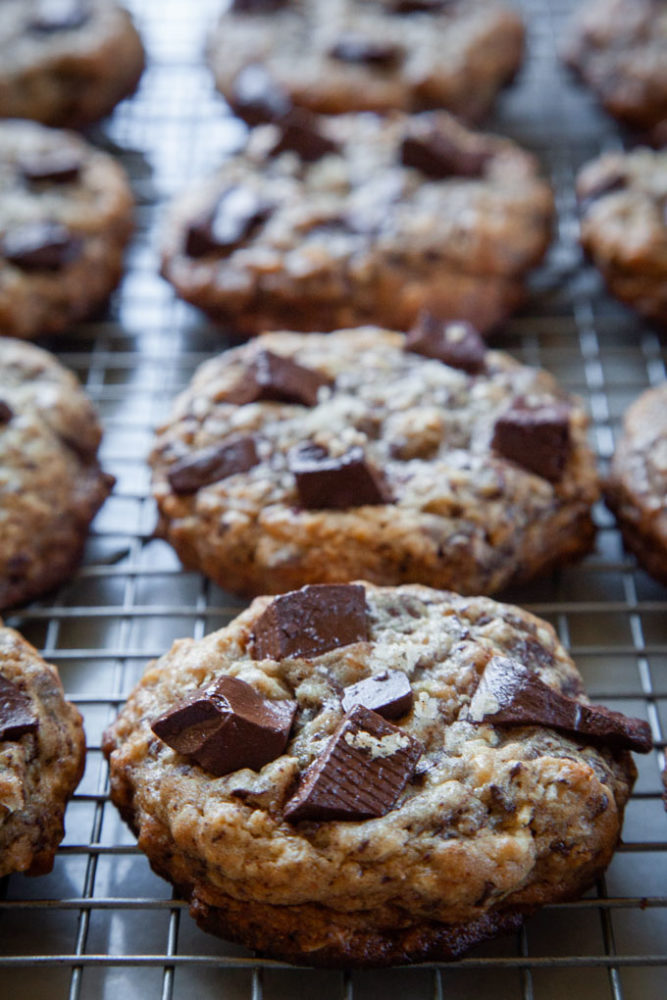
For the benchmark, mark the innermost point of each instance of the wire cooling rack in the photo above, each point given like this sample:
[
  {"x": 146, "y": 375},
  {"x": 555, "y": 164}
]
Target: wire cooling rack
[{"x": 102, "y": 925}]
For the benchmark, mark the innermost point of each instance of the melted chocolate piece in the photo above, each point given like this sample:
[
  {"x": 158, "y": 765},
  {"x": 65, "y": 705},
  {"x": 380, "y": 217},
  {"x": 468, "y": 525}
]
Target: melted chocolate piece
[
  {"x": 210, "y": 465},
  {"x": 16, "y": 714},
  {"x": 327, "y": 483},
  {"x": 256, "y": 6},
  {"x": 437, "y": 155},
  {"x": 456, "y": 343},
  {"x": 257, "y": 97},
  {"x": 536, "y": 436},
  {"x": 40, "y": 246},
  {"x": 57, "y": 166},
  {"x": 6, "y": 412},
  {"x": 363, "y": 770},
  {"x": 274, "y": 377},
  {"x": 236, "y": 215},
  {"x": 227, "y": 726},
  {"x": 389, "y": 694},
  {"x": 300, "y": 133},
  {"x": 311, "y": 621},
  {"x": 510, "y": 694},
  {"x": 355, "y": 48},
  {"x": 59, "y": 15}
]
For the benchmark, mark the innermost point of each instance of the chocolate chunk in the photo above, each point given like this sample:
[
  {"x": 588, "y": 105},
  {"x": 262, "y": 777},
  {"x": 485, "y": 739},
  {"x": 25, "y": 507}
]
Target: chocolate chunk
[
  {"x": 57, "y": 166},
  {"x": 212, "y": 464},
  {"x": 419, "y": 6},
  {"x": 510, "y": 694},
  {"x": 256, "y": 6},
  {"x": 457, "y": 343},
  {"x": 535, "y": 435},
  {"x": 356, "y": 48},
  {"x": 389, "y": 694},
  {"x": 364, "y": 768},
  {"x": 235, "y": 216},
  {"x": 274, "y": 377},
  {"x": 300, "y": 133},
  {"x": 613, "y": 180},
  {"x": 16, "y": 714},
  {"x": 40, "y": 246},
  {"x": 327, "y": 482},
  {"x": 257, "y": 97},
  {"x": 59, "y": 15},
  {"x": 6, "y": 412},
  {"x": 311, "y": 621},
  {"x": 438, "y": 155},
  {"x": 227, "y": 726}
]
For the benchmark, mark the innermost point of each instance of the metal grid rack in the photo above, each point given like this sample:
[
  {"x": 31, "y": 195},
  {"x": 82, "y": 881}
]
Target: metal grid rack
[{"x": 102, "y": 925}]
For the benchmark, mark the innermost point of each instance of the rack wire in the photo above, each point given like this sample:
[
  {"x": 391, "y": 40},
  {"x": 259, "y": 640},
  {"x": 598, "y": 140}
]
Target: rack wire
[{"x": 102, "y": 925}]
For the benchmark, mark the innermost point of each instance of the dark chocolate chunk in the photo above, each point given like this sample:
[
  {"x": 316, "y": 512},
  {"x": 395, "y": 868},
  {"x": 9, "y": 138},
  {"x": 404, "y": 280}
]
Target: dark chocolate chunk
[
  {"x": 311, "y": 621},
  {"x": 419, "y": 6},
  {"x": 356, "y": 48},
  {"x": 57, "y": 166},
  {"x": 300, "y": 133},
  {"x": 510, "y": 694},
  {"x": 235, "y": 216},
  {"x": 364, "y": 768},
  {"x": 40, "y": 246},
  {"x": 274, "y": 377},
  {"x": 327, "y": 482},
  {"x": 438, "y": 155},
  {"x": 59, "y": 15},
  {"x": 257, "y": 97},
  {"x": 389, "y": 694},
  {"x": 256, "y": 6},
  {"x": 6, "y": 412},
  {"x": 212, "y": 464},
  {"x": 535, "y": 435},
  {"x": 456, "y": 343},
  {"x": 227, "y": 726},
  {"x": 16, "y": 714}
]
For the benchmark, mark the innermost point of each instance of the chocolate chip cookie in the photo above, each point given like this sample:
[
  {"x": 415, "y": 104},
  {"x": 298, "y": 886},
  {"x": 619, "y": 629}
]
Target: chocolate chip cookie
[
  {"x": 42, "y": 752},
  {"x": 350, "y": 775},
  {"x": 65, "y": 218},
  {"x": 636, "y": 489},
  {"x": 324, "y": 223},
  {"x": 66, "y": 62},
  {"x": 624, "y": 226},
  {"x": 51, "y": 484},
  {"x": 306, "y": 458}
]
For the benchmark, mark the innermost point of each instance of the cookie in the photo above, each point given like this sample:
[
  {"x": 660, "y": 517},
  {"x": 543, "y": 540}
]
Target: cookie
[
  {"x": 619, "y": 48},
  {"x": 636, "y": 489},
  {"x": 42, "y": 751},
  {"x": 324, "y": 223},
  {"x": 318, "y": 458},
  {"x": 51, "y": 484},
  {"x": 65, "y": 218},
  {"x": 333, "y": 56},
  {"x": 66, "y": 62},
  {"x": 624, "y": 226},
  {"x": 430, "y": 772}
]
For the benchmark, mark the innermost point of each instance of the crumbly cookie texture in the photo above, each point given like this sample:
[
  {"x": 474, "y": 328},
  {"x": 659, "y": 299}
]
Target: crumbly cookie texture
[
  {"x": 636, "y": 489},
  {"x": 624, "y": 226},
  {"x": 40, "y": 769},
  {"x": 494, "y": 822},
  {"x": 62, "y": 231},
  {"x": 66, "y": 63},
  {"x": 619, "y": 48},
  {"x": 358, "y": 236},
  {"x": 333, "y": 56},
  {"x": 51, "y": 484},
  {"x": 459, "y": 513}
]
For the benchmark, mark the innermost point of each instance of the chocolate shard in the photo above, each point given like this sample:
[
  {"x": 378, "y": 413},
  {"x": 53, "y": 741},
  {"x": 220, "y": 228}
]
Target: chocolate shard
[
  {"x": 59, "y": 15},
  {"x": 325, "y": 482},
  {"x": 16, "y": 714},
  {"x": 536, "y": 435},
  {"x": 363, "y": 770},
  {"x": 6, "y": 412},
  {"x": 456, "y": 343},
  {"x": 300, "y": 133},
  {"x": 256, "y": 6},
  {"x": 510, "y": 694},
  {"x": 210, "y": 465},
  {"x": 276, "y": 378},
  {"x": 357, "y": 48},
  {"x": 388, "y": 693},
  {"x": 40, "y": 246},
  {"x": 437, "y": 155},
  {"x": 227, "y": 726},
  {"x": 257, "y": 97},
  {"x": 57, "y": 166},
  {"x": 419, "y": 6},
  {"x": 311, "y": 621},
  {"x": 236, "y": 215}
]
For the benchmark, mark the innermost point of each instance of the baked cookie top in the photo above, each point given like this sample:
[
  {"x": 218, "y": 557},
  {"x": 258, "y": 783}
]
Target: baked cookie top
[
  {"x": 321, "y": 223},
  {"x": 51, "y": 484},
  {"x": 624, "y": 225},
  {"x": 334, "y": 56},
  {"x": 42, "y": 752},
  {"x": 446, "y": 816},
  {"x": 371, "y": 459}
]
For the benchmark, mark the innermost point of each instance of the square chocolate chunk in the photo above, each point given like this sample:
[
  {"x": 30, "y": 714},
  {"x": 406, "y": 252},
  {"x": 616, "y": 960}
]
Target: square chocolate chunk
[{"x": 311, "y": 621}]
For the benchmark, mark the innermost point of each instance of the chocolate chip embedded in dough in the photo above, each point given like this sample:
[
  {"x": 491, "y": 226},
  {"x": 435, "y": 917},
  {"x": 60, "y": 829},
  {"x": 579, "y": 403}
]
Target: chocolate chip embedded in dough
[
  {"x": 509, "y": 694},
  {"x": 228, "y": 726},
  {"x": 209, "y": 465},
  {"x": 535, "y": 435},
  {"x": 456, "y": 343},
  {"x": 257, "y": 97},
  {"x": 235, "y": 216},
  {"x": 357, "y": 48},
  {"x": 611, "y": 180},
  {"x": 58, "y": 15},
  {"x": 437, "y": 155},
  {"x": 56, "y": 166},
  {"x": 363, "y": 770},
  {"x": 6, "y": 412},
  {"x": 300, "y": 133},
  {"x": 276, "y": 378},
  {"x": 40, "y": 246},
  {"x": 325, "y": 482},
  {"x": 311, "y": 621},
  {"x": 388, "y": 693},
  {"x": 16, "y": 714}
]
